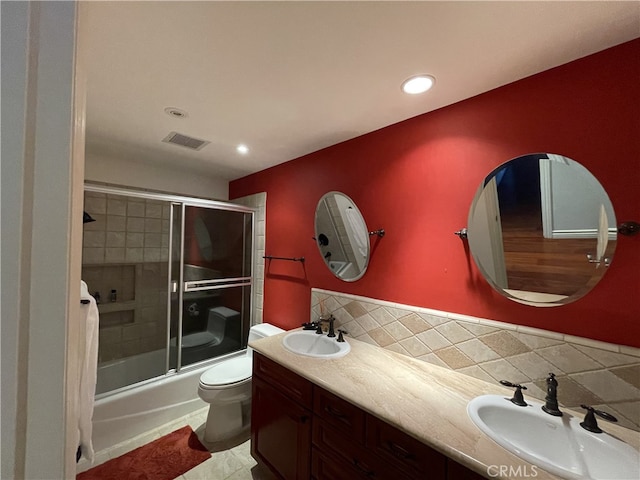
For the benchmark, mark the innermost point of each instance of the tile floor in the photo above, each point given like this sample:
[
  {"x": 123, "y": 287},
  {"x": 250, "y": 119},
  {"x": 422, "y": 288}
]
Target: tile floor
[{"x": 230, "y": 460}]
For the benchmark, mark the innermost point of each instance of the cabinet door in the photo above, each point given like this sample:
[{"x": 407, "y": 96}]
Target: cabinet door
[{"x": 280, "y": 432}]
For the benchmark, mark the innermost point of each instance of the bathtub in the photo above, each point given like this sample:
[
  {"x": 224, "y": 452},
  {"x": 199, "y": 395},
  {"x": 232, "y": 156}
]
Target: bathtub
[{"x": 122, "y": 414}]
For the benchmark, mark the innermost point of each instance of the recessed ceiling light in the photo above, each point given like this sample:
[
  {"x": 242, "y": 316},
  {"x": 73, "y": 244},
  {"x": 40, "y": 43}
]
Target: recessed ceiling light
[
  {"x": 176, "y": 112},
  {"x": 418, "y": 84},
  {"x": 242, "y": 149}
]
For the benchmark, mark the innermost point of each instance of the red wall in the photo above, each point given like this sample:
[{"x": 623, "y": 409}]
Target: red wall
[{"x": 416, "y": 179}]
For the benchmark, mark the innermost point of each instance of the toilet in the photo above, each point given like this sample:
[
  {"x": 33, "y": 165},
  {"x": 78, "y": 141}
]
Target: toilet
[
  {"x": 197, "y": 346},
  {"x": 226, "y": 387}
]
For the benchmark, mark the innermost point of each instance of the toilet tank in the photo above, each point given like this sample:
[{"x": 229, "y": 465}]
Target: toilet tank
[{"x": 263, "y": 330}]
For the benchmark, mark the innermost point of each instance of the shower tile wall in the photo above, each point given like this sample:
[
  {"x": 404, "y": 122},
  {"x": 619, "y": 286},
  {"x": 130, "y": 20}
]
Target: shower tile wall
[
  {"x": 126, "y": 249},
  {"x": 259, "y": 202},
  {"x": 604, "y": 375}
]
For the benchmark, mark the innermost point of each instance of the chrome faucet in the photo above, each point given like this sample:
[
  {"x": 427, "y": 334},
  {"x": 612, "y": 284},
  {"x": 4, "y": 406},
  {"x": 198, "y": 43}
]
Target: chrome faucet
[{"x": 551, "y": 400}]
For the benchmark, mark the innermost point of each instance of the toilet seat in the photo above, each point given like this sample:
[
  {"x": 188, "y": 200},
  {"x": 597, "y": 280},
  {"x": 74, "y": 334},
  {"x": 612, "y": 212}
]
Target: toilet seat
[{"x": 227, "y": 373}]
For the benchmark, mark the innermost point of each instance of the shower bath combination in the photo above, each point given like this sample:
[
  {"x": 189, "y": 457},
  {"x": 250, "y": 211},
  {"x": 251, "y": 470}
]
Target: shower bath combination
[{"x": 181, "y": 270}]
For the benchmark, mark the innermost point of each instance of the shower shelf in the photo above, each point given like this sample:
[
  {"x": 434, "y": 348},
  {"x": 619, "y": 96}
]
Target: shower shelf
[{"x": 109, "y": 307}]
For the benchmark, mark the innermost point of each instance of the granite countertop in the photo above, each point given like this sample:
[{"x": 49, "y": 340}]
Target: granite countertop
[{"x": 425, "y": 401}]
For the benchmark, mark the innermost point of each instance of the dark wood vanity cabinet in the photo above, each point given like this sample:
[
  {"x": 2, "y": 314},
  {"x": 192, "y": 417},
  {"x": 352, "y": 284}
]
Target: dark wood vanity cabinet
[
  {"x": 280, "y": 419},
  {"x": 301, "y": 431}
]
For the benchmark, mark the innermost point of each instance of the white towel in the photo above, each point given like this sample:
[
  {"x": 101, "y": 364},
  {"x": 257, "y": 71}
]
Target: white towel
[
  {"x": 88, "y": 372},
  {"x": 359, "y": 229}
]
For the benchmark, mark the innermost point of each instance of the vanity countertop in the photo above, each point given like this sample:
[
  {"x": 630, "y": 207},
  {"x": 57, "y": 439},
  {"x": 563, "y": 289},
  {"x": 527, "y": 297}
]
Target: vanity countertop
[{"x": 425, "y": 401}]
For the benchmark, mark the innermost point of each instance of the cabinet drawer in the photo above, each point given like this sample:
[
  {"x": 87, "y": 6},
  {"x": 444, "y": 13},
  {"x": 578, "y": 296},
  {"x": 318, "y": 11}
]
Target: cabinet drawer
[
  {"x": 325, "y": 467},
  {"x": 336, "y": 447},
  {"x": 284, "y": 380},
  {"x": 339, "y": 413},
  {"x": 403, "y": 452}
]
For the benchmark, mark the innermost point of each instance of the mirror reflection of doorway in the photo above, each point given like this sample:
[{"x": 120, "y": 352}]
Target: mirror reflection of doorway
[{"x": 530, "y": 257}]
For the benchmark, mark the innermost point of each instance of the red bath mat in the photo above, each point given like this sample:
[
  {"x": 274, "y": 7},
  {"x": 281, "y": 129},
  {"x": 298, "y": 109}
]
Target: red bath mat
[{"x": 163, "y": 459}]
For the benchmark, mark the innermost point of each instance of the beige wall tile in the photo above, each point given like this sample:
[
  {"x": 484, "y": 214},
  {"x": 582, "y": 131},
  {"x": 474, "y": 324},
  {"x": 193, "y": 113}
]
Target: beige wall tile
[
  {"x": 477, "y": 351},
  {"x": 433, "y": 359},
  {"x": 536, "y": 341},
  {"x": 355, "y": 309},
  {"x": 476, "y": 372},
  {"x": 135, "y": 209},
  {"x": 116, "y": 239},
  {"x": 504, "y": 343},
  {"x": 382, "y": 316},
  {"x": 367, "y": 322},
  {"x": 630, "y": 374},
  {"x": 568, "y": 358},
  {"x": 433, "y": 340},
  {"x": 607, "y": 357},
  {"x": 502, "y": 370},
  {"x": 381, "y": 337},
  {"x": 398, "y": 331},
  {"x": 95, "y": 239},
  {"x": 454, "y": 358},
  {"x": 116, "y": 206},
  {"x": 415, "y": 323},
  {"x": 115, "y": 223},
  {"x": 607, "y": 386},
  {"x": 532, "y": 365},
  {"x": 454, "y": 332},
  {"x": 414, "y": 346},
  {"x": 571, "y": 393}
]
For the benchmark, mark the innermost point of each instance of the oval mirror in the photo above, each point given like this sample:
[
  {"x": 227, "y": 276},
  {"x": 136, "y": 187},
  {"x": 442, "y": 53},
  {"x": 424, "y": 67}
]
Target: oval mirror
[
  {"x": 342, "y": 236},
  {"x": 542, "y": 230}
]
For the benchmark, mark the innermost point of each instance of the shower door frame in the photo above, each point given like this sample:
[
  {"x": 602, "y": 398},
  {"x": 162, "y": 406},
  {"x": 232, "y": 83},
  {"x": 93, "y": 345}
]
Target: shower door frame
[{"x": 184, "y": 201}]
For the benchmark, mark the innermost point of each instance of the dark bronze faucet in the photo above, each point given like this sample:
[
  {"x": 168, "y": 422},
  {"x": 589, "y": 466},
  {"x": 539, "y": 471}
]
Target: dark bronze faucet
[
  {"x": 518, "y": 398},
  {"x": 551, "y": 400},
  {"x": 590, "y": 422}
]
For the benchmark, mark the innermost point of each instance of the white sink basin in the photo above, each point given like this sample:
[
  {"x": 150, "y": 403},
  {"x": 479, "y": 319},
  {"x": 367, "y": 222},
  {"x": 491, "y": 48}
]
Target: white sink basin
[
  {"x": 311, "y": 344},
  {"x": 557, "y": 444}
]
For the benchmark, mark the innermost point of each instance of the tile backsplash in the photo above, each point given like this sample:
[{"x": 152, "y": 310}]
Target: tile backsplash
[{"x": 603, "y": 375}]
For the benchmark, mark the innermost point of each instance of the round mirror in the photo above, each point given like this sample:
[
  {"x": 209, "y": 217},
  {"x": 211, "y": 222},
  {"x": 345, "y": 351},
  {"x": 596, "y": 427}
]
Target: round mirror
[
  {"x": 542, "y": 230},
  {"x": 342, "y": 236}
]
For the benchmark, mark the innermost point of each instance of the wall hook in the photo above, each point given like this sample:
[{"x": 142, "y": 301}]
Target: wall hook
[
  {"x": 462, "y": 233},
  {"x": 379, "y": 232}
]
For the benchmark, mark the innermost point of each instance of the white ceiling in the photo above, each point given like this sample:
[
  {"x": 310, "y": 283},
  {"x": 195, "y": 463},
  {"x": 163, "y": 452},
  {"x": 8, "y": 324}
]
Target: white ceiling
[{"x": 290, "y": 78}]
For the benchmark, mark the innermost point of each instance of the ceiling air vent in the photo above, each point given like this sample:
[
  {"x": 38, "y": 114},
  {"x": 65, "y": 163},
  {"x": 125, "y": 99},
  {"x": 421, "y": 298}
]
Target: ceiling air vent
[{"x": 184, "y": 141}]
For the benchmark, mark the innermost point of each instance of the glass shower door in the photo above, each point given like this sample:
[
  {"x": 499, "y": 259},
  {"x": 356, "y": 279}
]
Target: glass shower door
[{"x": 211, "y": 308}]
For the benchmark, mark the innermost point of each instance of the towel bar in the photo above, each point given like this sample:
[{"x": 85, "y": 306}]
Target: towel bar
[{"x": 292, "y": 259}]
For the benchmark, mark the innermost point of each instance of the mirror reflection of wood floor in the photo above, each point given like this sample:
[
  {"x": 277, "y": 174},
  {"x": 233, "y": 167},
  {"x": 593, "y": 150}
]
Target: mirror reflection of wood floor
[{"x": 535, "y": 263}]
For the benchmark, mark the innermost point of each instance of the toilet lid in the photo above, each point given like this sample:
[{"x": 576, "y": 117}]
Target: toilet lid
[{"x": 228, "y": 371}]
